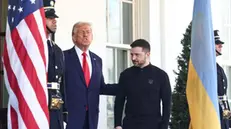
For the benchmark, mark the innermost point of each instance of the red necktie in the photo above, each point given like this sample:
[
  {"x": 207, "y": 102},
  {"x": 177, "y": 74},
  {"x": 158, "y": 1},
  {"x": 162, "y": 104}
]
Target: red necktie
[{"x": 86, "y": 70}]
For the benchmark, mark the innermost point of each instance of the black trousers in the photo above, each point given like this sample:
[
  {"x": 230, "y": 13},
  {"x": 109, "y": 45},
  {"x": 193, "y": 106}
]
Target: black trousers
[
  {"x": 141, "y": 122},
  {"x": 224, "y": 124},
  {"x": 86, "y": 121},
  {"x": 56, "y": 119}
]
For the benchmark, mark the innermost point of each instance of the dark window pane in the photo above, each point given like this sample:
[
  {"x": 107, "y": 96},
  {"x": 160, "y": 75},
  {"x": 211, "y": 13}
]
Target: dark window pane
[{"x": 127, "y": 23}]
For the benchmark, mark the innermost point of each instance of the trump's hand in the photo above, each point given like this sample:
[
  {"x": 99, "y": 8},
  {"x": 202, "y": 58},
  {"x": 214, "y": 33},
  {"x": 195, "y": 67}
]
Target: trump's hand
[{"x": 118, "y": 127}]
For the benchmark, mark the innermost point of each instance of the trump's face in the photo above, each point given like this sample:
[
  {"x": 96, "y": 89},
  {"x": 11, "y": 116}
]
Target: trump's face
[{"x": 83, "y": 35}]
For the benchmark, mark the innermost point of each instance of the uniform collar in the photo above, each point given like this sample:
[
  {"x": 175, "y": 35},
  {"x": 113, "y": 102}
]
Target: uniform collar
[{"x": 51, "y": 41}]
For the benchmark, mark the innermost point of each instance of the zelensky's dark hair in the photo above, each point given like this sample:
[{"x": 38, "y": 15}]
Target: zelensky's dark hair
[{"x": 141, "y": 43}]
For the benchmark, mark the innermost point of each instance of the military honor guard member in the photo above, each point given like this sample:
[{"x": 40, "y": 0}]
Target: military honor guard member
[
  {"x": 56, "y": 85},
  {"x": 222, "y": 86}
]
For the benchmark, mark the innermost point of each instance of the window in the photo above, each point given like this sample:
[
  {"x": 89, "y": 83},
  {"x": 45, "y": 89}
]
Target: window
[
  {"x": 120, "y": 21},
  {"x": 118, "y": 61},
  {"x": 120, "y": 33}
]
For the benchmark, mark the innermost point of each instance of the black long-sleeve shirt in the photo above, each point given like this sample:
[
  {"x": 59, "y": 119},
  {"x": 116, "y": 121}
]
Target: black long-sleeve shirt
[{"x": 143, "y": 88}]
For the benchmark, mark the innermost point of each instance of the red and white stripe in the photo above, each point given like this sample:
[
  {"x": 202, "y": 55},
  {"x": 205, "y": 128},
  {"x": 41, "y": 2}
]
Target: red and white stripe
[{"x": 25, "y": 66}]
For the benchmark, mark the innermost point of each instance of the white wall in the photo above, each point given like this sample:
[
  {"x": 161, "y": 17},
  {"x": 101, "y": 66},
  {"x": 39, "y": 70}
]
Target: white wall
[
  {"x": 178, "y": 15},
  {"x": 217, "y": 11},
  {"x": 72, "y": 11}
]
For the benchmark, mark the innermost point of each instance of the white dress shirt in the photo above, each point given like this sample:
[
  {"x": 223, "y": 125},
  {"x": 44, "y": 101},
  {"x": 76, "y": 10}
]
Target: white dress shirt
[
  {"x": 51, "y": 42},
  {"x": 79, "y": 53}
]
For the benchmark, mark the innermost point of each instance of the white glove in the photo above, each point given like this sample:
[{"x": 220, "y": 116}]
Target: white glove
[{"x": 64, "y": 124}]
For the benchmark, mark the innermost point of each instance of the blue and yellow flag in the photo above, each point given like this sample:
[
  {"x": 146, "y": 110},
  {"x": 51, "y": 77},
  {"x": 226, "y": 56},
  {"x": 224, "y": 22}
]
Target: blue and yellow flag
[{"x": 202, "y": 73}]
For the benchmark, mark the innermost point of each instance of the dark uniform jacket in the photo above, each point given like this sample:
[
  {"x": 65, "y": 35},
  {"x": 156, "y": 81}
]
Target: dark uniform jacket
[
  {"x": 56, "y": 74},
  {"x": 222, "y": 90},
  {"x": 143, "y": 89}
]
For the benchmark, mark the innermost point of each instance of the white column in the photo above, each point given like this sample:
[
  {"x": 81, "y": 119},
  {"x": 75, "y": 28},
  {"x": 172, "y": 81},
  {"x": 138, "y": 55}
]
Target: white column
[{"x": 148, "y": 27}]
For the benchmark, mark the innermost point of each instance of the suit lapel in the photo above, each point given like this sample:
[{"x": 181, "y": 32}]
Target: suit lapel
[
  {"x": 77, "y": 64},
  {"x": 93, "y": 63}
]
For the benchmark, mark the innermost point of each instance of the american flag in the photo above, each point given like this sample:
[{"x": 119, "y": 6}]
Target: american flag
[{"x": 25, "y": 65}]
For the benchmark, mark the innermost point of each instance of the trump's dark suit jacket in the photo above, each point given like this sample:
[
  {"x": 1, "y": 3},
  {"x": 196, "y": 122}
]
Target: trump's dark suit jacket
[{"x": 78, "y": 96}]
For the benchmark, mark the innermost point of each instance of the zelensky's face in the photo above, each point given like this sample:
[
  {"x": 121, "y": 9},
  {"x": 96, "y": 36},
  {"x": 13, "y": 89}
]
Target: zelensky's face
[{"x": 138, "y": 56}]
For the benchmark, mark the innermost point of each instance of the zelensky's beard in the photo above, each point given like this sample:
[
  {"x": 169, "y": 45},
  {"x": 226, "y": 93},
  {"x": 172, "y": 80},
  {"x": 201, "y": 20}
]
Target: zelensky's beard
[{"x": 139, "y": 63}]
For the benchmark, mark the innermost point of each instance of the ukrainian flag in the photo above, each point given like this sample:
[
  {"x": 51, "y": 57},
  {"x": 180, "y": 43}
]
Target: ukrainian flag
[{"x": 202, "y": 73}]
